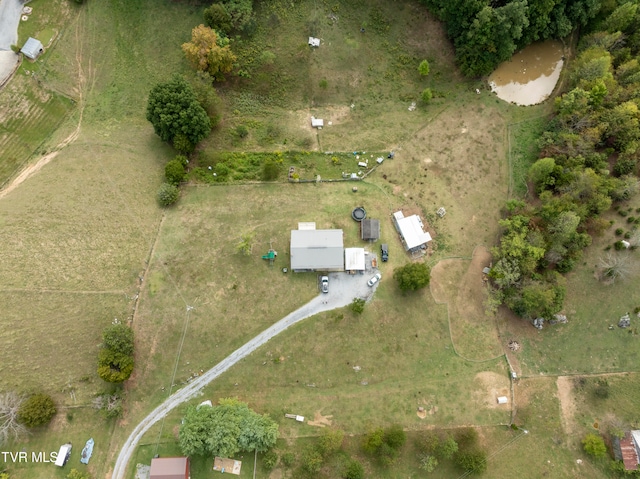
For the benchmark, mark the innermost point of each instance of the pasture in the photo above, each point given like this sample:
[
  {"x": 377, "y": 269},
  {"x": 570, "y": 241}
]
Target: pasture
[{"x": 83, "y": 236}]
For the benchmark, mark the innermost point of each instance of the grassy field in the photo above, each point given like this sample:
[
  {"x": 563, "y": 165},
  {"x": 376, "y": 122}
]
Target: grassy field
[
  {"x": 459, "y": 284},
  {"x": 78, "y": 235}
]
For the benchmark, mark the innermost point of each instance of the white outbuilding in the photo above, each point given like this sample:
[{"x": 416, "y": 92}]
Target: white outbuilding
[
  {"x": 317, "y": 122},
  {"x": 32, "y": 48},
  {"x": 411, "y": 231},
  {"x": 354, "y": 260},
  {"x": 314, "y": 42},
  {"x": 502, "y": 400}
]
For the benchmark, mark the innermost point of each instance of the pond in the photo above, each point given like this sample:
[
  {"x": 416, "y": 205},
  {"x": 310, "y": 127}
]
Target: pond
[{"x": 531, "y": 74}]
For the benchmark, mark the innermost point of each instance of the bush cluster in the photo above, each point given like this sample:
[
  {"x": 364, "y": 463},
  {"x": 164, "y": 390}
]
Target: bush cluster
[
  {"x": 37, "y": 410},
  {"x": 384, "y": 444}
]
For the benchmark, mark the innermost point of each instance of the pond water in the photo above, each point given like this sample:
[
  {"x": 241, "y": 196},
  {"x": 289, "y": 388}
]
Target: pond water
[{"x": 531, "y": 74}]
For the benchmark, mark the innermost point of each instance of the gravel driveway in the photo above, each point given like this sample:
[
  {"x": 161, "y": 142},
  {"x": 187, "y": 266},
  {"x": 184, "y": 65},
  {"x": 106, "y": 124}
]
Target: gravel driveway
[
  {"x": 343, "y": 288},
  {"x": 10, "y": 12}
]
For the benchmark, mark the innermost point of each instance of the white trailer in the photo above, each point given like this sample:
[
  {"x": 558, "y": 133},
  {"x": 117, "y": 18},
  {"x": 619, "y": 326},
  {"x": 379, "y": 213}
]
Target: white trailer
[{"x": 63, "y": 455}]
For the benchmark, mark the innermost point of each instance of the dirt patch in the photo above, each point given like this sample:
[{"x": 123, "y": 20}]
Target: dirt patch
[
  {"x": 491, "y": 386},
  {"x": 321, "y": 421},
  {"x": 567, "y": 403},
  {"x": 276, "y": 474}
]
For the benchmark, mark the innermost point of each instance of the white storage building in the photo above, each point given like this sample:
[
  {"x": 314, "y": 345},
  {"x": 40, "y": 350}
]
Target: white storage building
[
  {"x": 411, "y": 231},
  {"x": 317, "y": 250}
]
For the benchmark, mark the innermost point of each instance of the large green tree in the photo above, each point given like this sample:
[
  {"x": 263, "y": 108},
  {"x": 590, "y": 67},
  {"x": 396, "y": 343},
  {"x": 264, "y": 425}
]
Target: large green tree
[
  {"x": 412, "y": 276},
  {"x": 114, "y": 367},
  {"x": 37, "y": 410},
  {"x": 173, "y": 109},
  {"x": 492, "y": 38},
  {"x": 118, "y": 338},
  {"x": 225, "y": 430}
]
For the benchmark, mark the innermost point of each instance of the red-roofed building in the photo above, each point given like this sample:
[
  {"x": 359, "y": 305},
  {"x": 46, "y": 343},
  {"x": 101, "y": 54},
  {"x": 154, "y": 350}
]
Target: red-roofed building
[
  {"x": 170, "y": 468},
  {"x": 630, "y": 450}
]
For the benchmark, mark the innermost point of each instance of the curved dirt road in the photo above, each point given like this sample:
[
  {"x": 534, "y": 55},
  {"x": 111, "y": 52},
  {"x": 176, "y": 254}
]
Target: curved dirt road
[{"x": 343, "y": 288}]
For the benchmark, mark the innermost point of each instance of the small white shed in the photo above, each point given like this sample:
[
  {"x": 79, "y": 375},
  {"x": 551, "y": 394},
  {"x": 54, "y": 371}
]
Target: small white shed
[
  {"x": 502, "y": 400},
  {"x": 314, "y": 42},
  {"x": 32, "y": 48},
  {"x": 317, "y": 122}
]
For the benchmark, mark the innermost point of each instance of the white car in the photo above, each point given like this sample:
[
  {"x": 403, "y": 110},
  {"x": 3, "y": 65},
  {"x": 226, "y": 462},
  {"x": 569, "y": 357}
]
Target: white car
[
  {"x": 325, "y": 284},
  {"x": 374, "y": 279}
]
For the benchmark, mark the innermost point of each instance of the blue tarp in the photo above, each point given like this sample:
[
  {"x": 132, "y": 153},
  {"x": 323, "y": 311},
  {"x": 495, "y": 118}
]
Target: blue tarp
[{"x": 86, "y": 452}]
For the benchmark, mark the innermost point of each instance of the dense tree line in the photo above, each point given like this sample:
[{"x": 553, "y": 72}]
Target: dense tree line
[
  {"x": 487, "y": 32},
  {"x": 588, "y": 163}
]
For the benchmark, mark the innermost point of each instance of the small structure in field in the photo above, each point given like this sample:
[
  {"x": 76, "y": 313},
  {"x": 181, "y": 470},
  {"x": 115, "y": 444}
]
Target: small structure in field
[
  {"x": 317, "y": 122},
  {"x": 370, "y": 230},
  {"x": 295, "y": 416},
  {"x": 502, "y": 400},
  {"x": 411, "y": 231},
  {"x": 170, "y": 468},
  {"x": 231, "y": 466},
  {"x": 314, "y": 42},
  {"x": 627, "y": 450},
  {"x": 32, "y": 48},
  {"x": 359, "y": 213},
  {"x": 63, "y": 455},
  {"x": 354, "y": 260},
  {"x": 441, "y": 212}
]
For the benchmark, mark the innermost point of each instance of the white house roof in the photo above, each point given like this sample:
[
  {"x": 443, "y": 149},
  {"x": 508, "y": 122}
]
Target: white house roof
[
  {"x": 32, "y": 48},
  {"x": 411, "y": 229},
  {"x": 354, "y": 259},
  {"x": 317, "y": 250}
]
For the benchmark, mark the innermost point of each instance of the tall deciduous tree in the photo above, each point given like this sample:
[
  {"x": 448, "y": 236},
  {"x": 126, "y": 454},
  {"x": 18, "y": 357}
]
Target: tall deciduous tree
[
  {"x": 217, "y": 18},
  {"x": 37, "y": 410},
  {"x": 412, "y": 276},
  {"x": 114, "y": 367},
  {"x": 173, "y": 109},
  {"x": 225, "y": 430},
  {"x": 208, "y": 53},
  {"x": 119, "y": 338}
]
